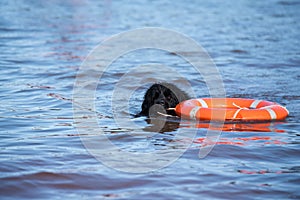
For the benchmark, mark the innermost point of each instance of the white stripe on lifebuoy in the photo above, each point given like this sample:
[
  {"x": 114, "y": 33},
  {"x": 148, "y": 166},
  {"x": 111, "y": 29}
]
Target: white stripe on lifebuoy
[
  {"x": 203, "y": 103},
  {"x": 272, "y": 113},
  {"x": 194, "y": 112},
  {"x": 255, "y": 103}
]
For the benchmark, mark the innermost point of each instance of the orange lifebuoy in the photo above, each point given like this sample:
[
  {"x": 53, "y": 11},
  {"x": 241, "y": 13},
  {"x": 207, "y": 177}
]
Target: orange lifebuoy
[{"x": 232, "y": 108}]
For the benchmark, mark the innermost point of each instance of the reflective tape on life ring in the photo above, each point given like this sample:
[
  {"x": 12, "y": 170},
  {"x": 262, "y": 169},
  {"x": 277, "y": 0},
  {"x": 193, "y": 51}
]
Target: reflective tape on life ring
[{"x": 231, "y": 109}]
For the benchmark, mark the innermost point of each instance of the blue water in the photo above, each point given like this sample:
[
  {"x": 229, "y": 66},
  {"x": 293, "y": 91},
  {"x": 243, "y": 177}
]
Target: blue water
[{"x": 254, "y": 44}]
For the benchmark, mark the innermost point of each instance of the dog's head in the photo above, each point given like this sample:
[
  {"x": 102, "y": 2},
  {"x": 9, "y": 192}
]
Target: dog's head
[{"x": 163, "y": 94}]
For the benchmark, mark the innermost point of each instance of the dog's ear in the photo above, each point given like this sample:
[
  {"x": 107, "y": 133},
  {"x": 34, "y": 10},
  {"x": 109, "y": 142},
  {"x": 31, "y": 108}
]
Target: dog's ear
[
  {"x": 173, "y": 101},
  {"x": 149, "y": 98},
  {"x": 145, "y": 107}
]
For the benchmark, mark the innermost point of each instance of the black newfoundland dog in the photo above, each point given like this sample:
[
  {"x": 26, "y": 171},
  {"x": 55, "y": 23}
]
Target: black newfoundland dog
[{"x": 163, "y": 96}]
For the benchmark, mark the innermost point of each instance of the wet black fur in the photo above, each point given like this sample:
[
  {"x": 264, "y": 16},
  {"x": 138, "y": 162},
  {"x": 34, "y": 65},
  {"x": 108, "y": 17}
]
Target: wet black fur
[{"x": 164, "y": 94}]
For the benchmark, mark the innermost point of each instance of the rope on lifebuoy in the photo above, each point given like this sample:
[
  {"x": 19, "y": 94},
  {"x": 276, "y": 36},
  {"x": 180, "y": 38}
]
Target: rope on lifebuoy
[{"x": 237, "y": 112}]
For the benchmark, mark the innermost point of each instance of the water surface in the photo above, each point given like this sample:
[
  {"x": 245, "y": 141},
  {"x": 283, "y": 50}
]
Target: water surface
[{"x": 255, "y": 46}]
